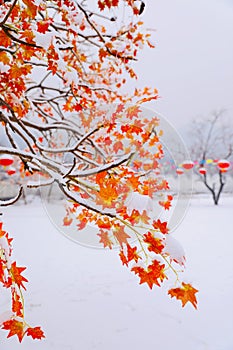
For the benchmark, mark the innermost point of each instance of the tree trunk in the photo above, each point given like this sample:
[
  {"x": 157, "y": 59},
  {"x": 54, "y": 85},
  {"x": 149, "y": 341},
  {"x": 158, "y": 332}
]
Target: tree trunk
[{"x": 215, "y": 196}]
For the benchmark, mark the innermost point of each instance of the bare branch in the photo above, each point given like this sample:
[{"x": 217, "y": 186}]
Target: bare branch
[{"x": 12, "y": 200}]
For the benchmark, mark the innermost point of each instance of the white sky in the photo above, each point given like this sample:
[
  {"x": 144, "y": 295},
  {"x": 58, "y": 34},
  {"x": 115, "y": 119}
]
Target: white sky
[{"x": 192, "y": 64}]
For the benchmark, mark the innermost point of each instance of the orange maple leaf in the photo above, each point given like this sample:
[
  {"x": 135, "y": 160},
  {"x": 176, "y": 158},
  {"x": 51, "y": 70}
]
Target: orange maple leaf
[
  {"x": 132, "y": 253},
  {"x": 147, "y": 99},
  {"x": 152, "y": 275},
  {"x": 107, "y": 189},
  {"x": 15, "y": 328},
  {"x": 153, "y": 140},
  {"x": 17, "y": 71},
  {"x": 17, "y": 306},
  {"x": 102, "y": 54},
  {"x": 82, "y": 224},
  {"x": 133, "y": 111},
  {"x": 4, "y": 58},
  {"x": 118, "y": 146},
  {"x": 53, "y": 57},
  {"x": 137, "y": 164},
  {"x": 2, "y": 274},
  {"x": 154, "y": 244},
  {"x": 120, "y": 234},
  {"x": 134, "y": 218},
  {"x": 84, "y": 217},
  {"x": 4, "y": 39},
  {"x": 186, "y": 294},
  {"x": 35, "y": 333},
  {"x": 104, "y": 238},
  {"x": 68, "y": 106},
  {"x": 134, "y": 181},
  {"x": 161, "y": 226},
  {"x": 31, "y": 8},
  {"x": 28, "y": 36},
  {"x": 130, "y": 129},
  {"x": 123, "y": 258},
  {"x": 67, "y": 221},
  {"x": 144, "y": 217},
  {"x": 104, "y": 222},
  {"x": 28, "y": 52},
  {"x": 166, "y": 204},
  {"x": 16, "y": 275}
]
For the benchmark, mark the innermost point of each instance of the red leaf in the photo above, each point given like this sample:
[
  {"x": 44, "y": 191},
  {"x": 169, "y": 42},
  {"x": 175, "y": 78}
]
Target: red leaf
[
  {"x": 35, "y": 333},
  {"x": 42, "y": 26},
  {"x": 107, "y": 3},
  {"x": 101, "y": 5},
  {"x": 77, "y": 107}
]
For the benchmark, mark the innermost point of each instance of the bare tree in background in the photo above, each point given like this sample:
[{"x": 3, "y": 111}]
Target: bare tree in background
[{"x": 212, "y": 138}]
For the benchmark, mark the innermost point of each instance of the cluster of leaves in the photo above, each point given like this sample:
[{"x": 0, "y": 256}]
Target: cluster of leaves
[
  {"x": 55, "y": 37},
  {"x": 124, "y": 190},
  {"x": 63, "y": 117},
  {"x": 11, "y": 278}
]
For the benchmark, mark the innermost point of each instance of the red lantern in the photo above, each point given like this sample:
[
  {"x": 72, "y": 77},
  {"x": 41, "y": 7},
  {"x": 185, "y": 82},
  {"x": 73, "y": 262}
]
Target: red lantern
[
  {"x": 11, "y": 171},
  {"x": 202, "y": 171},
  {"x": 6, "y": 160},
  {"x": 223, "y": 164},
  {"x": 188, "y": 164},
  {"x": 179, "y": 171}
]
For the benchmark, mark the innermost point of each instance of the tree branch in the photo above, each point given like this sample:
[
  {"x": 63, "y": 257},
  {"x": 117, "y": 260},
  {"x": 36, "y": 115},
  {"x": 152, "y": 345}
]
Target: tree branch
[{"x": 12, "y": 200}]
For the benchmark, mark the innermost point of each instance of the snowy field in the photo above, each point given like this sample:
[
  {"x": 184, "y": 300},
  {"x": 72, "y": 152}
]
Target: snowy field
[{"x": 85, "y": 299}]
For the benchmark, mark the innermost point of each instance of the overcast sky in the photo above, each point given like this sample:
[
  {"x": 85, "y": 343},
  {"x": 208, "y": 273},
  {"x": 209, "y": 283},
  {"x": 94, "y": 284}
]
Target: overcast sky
[{"x": 192, "y": 64}]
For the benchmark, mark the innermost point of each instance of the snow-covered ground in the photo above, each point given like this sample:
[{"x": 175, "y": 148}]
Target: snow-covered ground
[{"x": 85, "y": 299}]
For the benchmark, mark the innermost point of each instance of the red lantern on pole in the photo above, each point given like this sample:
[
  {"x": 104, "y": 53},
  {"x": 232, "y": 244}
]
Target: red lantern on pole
[
  {"x": 188, "y": 164},
  {"x": 223, "y": 164},
  {"x": 202, "y": 171},
  {"x": 6, "y": 160},
  {"x": 179, "y": 171}
]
